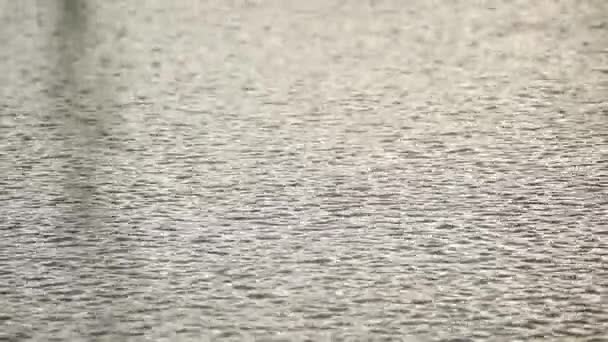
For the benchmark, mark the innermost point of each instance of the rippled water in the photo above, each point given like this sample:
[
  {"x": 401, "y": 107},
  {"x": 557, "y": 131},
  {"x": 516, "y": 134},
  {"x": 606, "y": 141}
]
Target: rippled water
[{"x": 282, "y": 170}]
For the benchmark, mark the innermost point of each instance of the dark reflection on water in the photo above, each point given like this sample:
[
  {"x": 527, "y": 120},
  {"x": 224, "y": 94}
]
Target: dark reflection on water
[
  {"x": 321, "y": 170},
  {"x": 73, "y": 108}
]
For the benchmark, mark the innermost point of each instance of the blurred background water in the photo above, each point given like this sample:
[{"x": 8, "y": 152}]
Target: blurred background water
[{"x": 286, "y": 170}]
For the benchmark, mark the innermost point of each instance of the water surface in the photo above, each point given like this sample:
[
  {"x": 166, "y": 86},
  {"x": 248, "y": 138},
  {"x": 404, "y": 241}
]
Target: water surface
[{"x": 315, "y": 170}]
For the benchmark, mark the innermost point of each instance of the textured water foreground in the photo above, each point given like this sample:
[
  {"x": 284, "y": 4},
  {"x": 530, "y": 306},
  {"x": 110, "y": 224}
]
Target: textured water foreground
[{"x": 303, "y": 170}]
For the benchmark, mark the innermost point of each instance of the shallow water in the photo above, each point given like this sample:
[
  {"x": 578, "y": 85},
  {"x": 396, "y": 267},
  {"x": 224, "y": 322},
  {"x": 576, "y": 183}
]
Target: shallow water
[{"x": 313, "y": 170}]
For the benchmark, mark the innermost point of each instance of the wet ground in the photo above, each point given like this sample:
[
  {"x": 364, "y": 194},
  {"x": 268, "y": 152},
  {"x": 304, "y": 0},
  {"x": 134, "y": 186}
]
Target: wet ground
[{"x": 318, "y": 170}]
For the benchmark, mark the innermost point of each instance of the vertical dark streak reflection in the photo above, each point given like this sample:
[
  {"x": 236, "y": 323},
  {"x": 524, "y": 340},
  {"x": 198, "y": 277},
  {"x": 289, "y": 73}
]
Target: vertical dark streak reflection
[
  {"x": 84, "y": 112},
  {"x": 71, "y": 43},
  {"x": 82, "y": 102}
]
